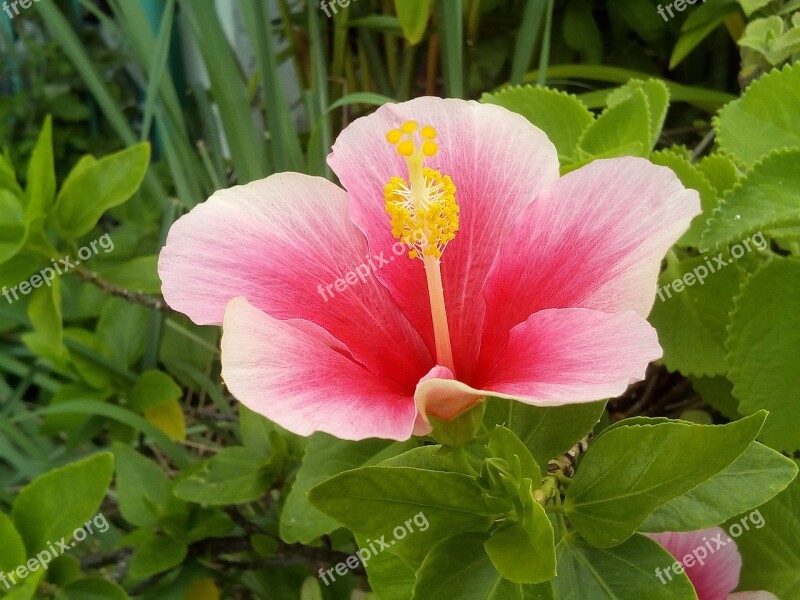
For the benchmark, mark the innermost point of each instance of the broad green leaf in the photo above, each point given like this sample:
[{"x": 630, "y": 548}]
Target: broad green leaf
[
  {"x": 547, "y": 432},
  {"x": 718, "y": 393},
  {"x": 631, "y": 470},
  {"x": 157, "y": 555},
  {"x": 768, "y": 197},
  {"x": 625, "y": 572},
  {"x": 142, "y": 487},
  {"x": 55, "y": 504},
  {"x": 12, "y": 550},
  {"x": 657, "y": 95},
  {"x": 524, "y": 552},
  {"x": 202, "y": 589},
  {"x": 41, "y": 187},
  {"x": 765, "y": 118},
  {"x": 8, "y": 178},
  {"x": 26, "y": 590},
  {"x": 123, "y": 327},
  {"x": 325, "y": 457},
  {"x": 139, "y": 274},
  {"x": 92, "y": 588},
  {"x": 232, "y": 476},
  {"x": 458, "y": 567},
  {"x": 762, "y": 350},
  {"x": 389, "y": 577},
  {"x": 44, "y": 311},
  {"x": 100, "y": 186},
  {"x": 169, "y": 418},
  {"x": 372, "y": 500},
  {"x": 581, "y": 33},
  {"x": 310, "y": 589},
  {"x": 692, "y": 178},
  {"x": 720, "y": 171},
  {"x": 436, "y": 457},
  {"x": 751, "y": 480},
  {"x": 769, "y": 549},
  {"x": 691, "y": 319},
  {"x": 413, "y": 16},
  {"x": 620, "y": 130},
  {"x": 13, "y": 228},
  {"x": 153, "y": 388},
  {"x": 561, "y": 116}
]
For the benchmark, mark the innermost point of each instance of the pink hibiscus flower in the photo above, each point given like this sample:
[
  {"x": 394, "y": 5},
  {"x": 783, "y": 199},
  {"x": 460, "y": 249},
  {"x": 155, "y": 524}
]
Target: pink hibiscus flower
[
  {"x": 456, "y": 265},
  {"x": 711, "y": 561}
]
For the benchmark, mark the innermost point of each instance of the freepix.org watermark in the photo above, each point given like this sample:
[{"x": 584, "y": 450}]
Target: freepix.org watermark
[
  {"x": 42, "y": 560},
  {"x": 374, "y": 547},
  {"x": 63, "y": 265},
  {"x": 679, "y": 5},
  {"x": 16, "y": 5},
  {"x": 700, "y": 272},
  {"x": 710, "y": 546},
  {"x": 327, "y": 5}
]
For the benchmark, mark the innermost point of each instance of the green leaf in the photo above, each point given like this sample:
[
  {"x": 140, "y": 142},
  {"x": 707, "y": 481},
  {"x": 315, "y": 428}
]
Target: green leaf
[
  {"x": 690, "y": 176},
  {"x": 139, "y": 274},
  {"x": 325, "y": 457},
  {"x": 92, "y": 588},
  {"x": 615, "y": 489},
  {"x": 720, "y": 171},
  {"x": 44, "y": 311},
  {"x": 524, "y": 552},
  {"x": 561, "y": 116},
  {"x": 13, "y": 226},
  {"x": 765, "y": 118},
  {"x": 751, "y": 480},
  {"x": 701, "y": 22},
  {"x": 413, "y": 16},
  {"x": 625, "y": 572},
  {"x": 458, "y": 567},
  {"x": 8, "y": 178},
  {"x": 762, "y": 350},
  {"x": 547, "y": 432},
  {"x": 12, "y": 551},
  {"x": 53, "y": 505},
  {"x": 27, "y": 589},
  {"x": 156, "y": 556},
  {"x": 152, "y": 389},
  {"x": 770, "y": 553},
  {"x": 123, "y": 327},
  {"x": 142, "y": 487},
  {"x": 768, "y": 197},
  {"x": 100, "y": 186},
  {"x": 580, "y": 31},
  {"x": 692, "y": 319},
  {"x": 657, "y": 95},
  {"x": 232, "y": 476},
  {"x": 390, "y": 578},
  {"x": 503, "y": 443},
  {"x": 371, "y": 500},
  {"x": 621, "y": 130},
  {"x": 41, "y": 178}
]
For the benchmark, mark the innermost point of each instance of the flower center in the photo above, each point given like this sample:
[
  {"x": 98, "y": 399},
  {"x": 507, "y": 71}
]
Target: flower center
[
  {"x": 423, "y": 211},
  {"x": 423, "y": 214}
]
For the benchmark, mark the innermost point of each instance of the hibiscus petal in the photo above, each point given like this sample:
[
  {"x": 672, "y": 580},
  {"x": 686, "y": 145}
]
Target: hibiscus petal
[
  {"x": 280, "y": 242},
  {"x": 557, "y": 356},
  {"x": 294, "y": 377},
  {"x": 498, "y": 162},
  {"x": 593, "y": 239},
  {"x": 719, "y": 573}
]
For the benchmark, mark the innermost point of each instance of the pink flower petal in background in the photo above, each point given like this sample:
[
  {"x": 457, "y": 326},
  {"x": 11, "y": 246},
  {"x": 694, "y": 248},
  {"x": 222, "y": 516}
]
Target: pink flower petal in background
[{"x": 718, "y": 576}]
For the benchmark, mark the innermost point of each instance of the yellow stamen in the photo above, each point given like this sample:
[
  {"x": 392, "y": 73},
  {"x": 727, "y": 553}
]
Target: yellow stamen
[
  {"x": 424, "y": 214},
  {"x": 394, "y": 136}
]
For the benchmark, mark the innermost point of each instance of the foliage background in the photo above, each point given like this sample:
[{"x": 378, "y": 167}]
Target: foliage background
[{"x": 110, "y": 402}]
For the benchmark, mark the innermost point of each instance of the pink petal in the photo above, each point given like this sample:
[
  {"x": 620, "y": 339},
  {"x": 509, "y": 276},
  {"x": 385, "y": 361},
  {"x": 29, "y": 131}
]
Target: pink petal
[
  {"x": 593, "y": 239},
  {"x": 555, "y": 357},
  {"x": 279, "y": 242},
  {"x": 498, "y": 162},
  {"x": 719, "y": 573},
  {"x": 294, "y": 377},
  {"x": 760, "y": 595}
]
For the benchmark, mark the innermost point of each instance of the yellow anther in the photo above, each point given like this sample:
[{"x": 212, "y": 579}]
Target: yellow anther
[
  {"x": 405, "y": 148},
  {"x": 394, "y": 136},
  {"x": 409, "y": 127},
  {"x": 428, "y": 132},
  {"x": 430, "y": 148}
]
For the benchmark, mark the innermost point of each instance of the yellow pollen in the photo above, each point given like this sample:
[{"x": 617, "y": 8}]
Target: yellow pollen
[
  {"x": 409, "y": 127},
  {"x": 405, "y": 148},
  {"x": 428, "y": 132},
  {"x": 423, "y": 211},
  {"x": 394, "y": 136}
]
